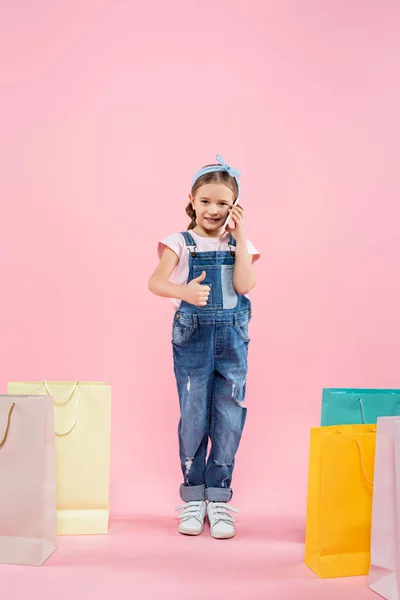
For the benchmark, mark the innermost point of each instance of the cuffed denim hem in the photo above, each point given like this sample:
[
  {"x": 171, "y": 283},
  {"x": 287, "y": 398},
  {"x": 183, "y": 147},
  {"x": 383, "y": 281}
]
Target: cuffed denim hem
[
  {"x": 216, "y": 494},
  {"x": 189, "y": 493}
]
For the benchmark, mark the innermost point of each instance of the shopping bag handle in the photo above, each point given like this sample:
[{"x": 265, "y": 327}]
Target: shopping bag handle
[
  {"x": 8, "y": 426},
  {"x": 362, "y": 462},
  {"x": 70, "y": 430},
  {"x": 65, "y": 399},
  {"x": 363, "y": 412}
]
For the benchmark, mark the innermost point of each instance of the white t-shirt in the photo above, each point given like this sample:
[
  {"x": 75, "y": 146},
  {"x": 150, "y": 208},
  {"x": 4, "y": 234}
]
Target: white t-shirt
[{"x": 177, "y": 243}]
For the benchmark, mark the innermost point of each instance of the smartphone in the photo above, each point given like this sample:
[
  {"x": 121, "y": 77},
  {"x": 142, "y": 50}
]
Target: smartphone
[{"x": 229, "y": 215}]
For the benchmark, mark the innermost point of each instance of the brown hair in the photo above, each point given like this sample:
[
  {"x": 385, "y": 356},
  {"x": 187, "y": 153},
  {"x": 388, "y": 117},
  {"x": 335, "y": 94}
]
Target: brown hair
[{"x": 213, "y": 177}]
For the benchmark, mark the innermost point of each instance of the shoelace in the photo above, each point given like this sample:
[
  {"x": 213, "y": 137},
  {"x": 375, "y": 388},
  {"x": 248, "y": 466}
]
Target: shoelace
[
  {"x": 221, "y": 512},
  {"x": 190, "y": 510}
]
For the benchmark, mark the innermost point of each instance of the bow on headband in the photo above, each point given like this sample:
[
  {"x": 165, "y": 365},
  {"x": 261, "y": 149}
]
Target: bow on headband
[
  {"x": 232, "y": 172},
  {"x": 222, "y": 166}
]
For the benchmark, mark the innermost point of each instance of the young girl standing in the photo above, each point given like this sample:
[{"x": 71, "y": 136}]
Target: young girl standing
[{"x": 213, "y": 271}]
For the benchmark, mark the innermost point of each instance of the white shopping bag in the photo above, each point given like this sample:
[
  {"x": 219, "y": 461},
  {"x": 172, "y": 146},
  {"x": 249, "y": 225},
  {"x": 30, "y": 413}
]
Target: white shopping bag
[
  {"x": 27, "y": 480},
  {"x": 384, "y": 574}
]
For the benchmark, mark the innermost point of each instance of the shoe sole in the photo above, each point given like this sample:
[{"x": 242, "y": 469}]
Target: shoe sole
[
  {"x": 188, "y": 532},
  {"x": 222, "y": 536}
]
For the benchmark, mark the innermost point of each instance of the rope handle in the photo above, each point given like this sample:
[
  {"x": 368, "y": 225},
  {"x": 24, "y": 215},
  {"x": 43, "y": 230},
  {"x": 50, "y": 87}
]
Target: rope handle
[
  {"x": 10, "y": 412},
  {"x": 363, "y": 411},
  {"x": 67, "y": 397},
  {"x": 70, "y": 430},
  {"x": 64, "y": 400},
  {"x": 362, "y": 462},
  {"x": 373, "y": 430}
]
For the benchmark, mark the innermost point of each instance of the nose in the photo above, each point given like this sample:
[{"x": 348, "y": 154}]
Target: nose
[{"x": 213, "y": 210}]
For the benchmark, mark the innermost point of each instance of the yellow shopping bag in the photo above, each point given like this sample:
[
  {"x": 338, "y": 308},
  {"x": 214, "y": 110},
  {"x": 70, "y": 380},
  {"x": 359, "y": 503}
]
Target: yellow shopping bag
[
  {"x": 339, "y": 503},
  {"x": 82, "y": 415}
]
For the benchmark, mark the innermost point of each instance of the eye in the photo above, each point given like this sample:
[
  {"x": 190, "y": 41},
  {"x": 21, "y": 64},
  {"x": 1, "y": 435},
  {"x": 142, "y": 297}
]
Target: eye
[{"x": 204, "y": 201}]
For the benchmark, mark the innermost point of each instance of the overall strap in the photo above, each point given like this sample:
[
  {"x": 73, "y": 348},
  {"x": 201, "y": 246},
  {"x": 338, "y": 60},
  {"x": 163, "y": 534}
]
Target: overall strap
[
  {"x": 232, "y": 244},
  {"x": 188, "y": 239},
  {"x": 190, "y": 243}
]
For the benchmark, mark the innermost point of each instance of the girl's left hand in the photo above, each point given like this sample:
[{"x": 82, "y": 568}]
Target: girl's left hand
[{"x": 238, "y": 216}]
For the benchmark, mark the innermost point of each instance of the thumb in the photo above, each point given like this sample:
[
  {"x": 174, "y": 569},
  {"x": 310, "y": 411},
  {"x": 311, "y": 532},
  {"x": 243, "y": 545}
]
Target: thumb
[{"x": 200, "y": 278}]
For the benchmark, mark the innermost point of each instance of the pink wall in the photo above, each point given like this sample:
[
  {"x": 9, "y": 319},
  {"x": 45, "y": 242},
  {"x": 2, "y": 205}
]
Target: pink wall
[{"x": 109, "y": 109}]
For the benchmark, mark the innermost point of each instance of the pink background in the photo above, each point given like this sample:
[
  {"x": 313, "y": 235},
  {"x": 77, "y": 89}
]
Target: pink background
[{"x": 108, "y": 107}]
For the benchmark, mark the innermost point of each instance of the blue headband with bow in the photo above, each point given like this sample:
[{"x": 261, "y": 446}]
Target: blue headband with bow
[{"x": 222, "y": 166}]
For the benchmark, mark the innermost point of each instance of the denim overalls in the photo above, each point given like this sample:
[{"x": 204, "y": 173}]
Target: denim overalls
[{"x": 210, "y": 346}]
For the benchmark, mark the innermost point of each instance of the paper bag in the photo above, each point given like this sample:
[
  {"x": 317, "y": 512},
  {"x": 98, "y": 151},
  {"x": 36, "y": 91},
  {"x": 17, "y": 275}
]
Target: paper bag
[
  {"x": 339, "y": 502},
  {"x": 82, "y": 428},
  {"x": 27, "y": 480},
  {"x": 385, "y": 536},
  {"x": 358, "y": 406}
]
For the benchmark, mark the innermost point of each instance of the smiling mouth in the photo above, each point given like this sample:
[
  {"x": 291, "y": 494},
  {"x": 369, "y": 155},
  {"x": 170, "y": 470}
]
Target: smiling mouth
[{"x": 211, "y": 220}]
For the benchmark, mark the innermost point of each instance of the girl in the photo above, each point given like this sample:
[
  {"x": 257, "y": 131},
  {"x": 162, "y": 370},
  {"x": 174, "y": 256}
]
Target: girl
[{"x": 213, "y": 272}]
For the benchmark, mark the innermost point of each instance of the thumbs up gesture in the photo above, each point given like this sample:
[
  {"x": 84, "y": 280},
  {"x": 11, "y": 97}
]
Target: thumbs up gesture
[{"x": 195, "y": 293}]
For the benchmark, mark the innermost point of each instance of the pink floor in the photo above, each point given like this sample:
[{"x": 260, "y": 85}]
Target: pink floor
[{"x": 146, "y": 558}]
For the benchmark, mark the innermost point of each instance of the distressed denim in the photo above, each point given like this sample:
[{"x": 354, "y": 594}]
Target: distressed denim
[{"x": 210, "y": 346}]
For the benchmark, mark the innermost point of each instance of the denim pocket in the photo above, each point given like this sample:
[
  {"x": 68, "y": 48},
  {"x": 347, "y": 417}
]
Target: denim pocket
[
  {"x": 181, "y": 333},
  {"x": 243, "y": 329}
]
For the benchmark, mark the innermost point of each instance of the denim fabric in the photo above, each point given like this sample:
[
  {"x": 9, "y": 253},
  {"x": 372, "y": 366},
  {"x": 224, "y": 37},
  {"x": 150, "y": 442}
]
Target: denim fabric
[{"x": 210, "y": 346}]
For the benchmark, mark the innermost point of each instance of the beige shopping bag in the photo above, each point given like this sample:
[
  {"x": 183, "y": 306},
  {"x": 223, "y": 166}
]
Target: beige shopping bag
[
  {"x": 82, "y": 430},
  {"x": 27, "y": 480}
]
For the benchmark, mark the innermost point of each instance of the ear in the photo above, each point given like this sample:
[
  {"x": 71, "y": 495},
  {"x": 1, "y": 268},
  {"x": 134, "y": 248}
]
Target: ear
[{"x": 191, "y": 200}]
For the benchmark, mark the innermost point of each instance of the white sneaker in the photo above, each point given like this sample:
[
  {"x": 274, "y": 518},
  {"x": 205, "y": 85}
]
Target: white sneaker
[
  {"x": 221, "y": 521},
  {"x": 192, "y": 517}
]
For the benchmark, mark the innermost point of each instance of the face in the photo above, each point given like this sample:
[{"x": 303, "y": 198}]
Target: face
[{"x": 212, "y": 203}]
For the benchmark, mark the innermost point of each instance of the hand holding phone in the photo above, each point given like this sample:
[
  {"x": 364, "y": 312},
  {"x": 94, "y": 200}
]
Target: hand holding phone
[{"x": 229, "y": 214}]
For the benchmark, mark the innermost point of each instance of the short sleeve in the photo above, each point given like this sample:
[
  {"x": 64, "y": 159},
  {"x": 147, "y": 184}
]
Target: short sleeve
[
  {"x": 174, "y": 241},
  {"x": 253, "y": 251}
]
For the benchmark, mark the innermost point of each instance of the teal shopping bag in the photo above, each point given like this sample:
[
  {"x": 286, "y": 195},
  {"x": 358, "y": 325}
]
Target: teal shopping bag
[{"x": 347, "y": 406}]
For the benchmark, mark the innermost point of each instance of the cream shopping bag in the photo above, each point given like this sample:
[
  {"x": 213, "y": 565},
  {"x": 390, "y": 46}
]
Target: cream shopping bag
[
  {"x": 27, "y": 480},
  {"x": 82, "y": 412}
]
